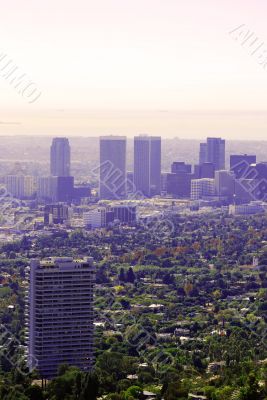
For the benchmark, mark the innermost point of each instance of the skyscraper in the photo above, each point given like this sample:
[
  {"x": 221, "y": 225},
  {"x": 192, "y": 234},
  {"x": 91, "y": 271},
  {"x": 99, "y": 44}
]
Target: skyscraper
[
  {"x": 147, "y": 164},
  {"x": 112, "y": 179},
  {"x": 60, "y": 157},
  {"x": 202, "y": 153},
  {"x": 60, "y": 314},
  {"x": 240, "y": 164},
  {"x": 225, "y": 184},
  {"x": 216, "y": 152}
]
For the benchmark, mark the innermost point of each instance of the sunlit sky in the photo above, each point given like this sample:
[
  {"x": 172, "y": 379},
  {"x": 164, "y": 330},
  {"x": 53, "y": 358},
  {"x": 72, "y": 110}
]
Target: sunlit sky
[{"x": 167, "y": 67}]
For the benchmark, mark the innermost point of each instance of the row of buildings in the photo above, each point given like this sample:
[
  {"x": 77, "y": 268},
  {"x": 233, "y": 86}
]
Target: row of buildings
[
  {"x": 57, "y": 187},
  {"x": 96, "y": 217},
  {"x": 144, "y": 181},
  {"x": 244, "y": 181},
  {"x": 209, "y": 178},
  {"x": 44, "y": 189}
]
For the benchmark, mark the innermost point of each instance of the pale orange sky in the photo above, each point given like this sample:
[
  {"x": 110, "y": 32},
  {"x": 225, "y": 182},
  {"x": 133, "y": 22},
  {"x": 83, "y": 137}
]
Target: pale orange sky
[{"x": 124, "y": 67}]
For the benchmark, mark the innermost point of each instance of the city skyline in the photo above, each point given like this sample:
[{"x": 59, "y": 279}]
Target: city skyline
[{"x": 133, "y": 212}]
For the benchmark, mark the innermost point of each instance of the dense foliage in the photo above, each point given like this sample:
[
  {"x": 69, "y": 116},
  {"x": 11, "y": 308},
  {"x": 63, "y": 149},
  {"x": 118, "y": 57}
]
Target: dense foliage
[{"x": 175, "y": 314}]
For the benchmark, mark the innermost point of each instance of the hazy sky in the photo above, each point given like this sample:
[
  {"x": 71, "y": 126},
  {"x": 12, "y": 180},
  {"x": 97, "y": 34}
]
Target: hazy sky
[{"x": 166, "y": 67}]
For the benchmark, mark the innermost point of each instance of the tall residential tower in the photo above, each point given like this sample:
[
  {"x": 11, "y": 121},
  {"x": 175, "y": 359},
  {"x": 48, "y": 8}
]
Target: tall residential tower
[{"x": 60, "y": 314}]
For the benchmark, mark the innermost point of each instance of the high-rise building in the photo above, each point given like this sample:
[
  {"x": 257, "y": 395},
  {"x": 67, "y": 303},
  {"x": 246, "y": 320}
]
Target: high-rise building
[
  {"x": 112, "y": 179},
  {"x": 180, "y": 166},
  {"x": 163, "y": 184},
  {"x": 147, "y": 165},
  {"x": 216, "y": 152},
  {"x": 202, "y": 153},
  {"x": 130, "y": 182},
  {"x": 20, "y": 186},
  {"x": 47, "y": 188},
  {"x": 179, "y": 184},
  {"x": 60, "y": 314},
  {"x": 225, "y": 184},
  {"x": 205, "y": 170},
  {"x": 239, "y": 163},
  {"x": 64, "y": 188},
  {"x": 60, "y": 157}
]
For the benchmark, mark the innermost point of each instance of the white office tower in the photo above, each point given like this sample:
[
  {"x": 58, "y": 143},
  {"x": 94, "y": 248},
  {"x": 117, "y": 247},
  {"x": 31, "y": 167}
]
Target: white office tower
[{"x": 60, "y": 314}]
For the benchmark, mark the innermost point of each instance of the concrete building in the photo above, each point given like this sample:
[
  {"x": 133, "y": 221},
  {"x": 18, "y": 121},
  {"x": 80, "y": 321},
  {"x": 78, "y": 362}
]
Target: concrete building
[
  {"x": 180, "y": 166},
  {"x": 95, "y": 218},
  {"x": 216, "y": 152},
  {"x": 125, "y": 213},
  {"x": 225, "y": 184},
  {"x": 202, "y": 153},
  {"x": 64, "y": 188},
  {"x": 244, "y": 190},
  {"x": 60, "y": 314},
  {"x": 56, "y": 214},
  {"x": 46, "y": 188},
  {"x": 239, "y": 163},
  {"x": 55, "y": 188},
  {"x": 179, "y": 184},
  {"x": 201, "y": 188},
  {"x": 101, "y": 217},
  {"x": 205, "y": 170},
  {"x": 147, "y": 165},
  {"x": 254, "y": 207},
  {"x": 163, "y": 184},
  {"x": 112, "y": 177},
  {"x": 60, "y": 157},
  {"x": 20, "y": 186}
]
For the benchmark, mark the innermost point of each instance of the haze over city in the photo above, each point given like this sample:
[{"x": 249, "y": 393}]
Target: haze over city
[{"x": 171, "y": 68}]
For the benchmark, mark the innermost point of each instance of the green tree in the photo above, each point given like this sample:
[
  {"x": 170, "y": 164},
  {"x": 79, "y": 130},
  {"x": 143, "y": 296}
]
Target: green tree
[{"x": 133, "y": 392}]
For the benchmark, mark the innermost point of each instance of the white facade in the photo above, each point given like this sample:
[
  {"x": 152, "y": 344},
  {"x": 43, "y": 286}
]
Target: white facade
[
  {"x": 202, "y": 188},
  {"x": 255, "y": 207},
  {"x": 95, "y": 218},
  {"x": 20, "y": 186},
  {"x": 46, "y": 188}
]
